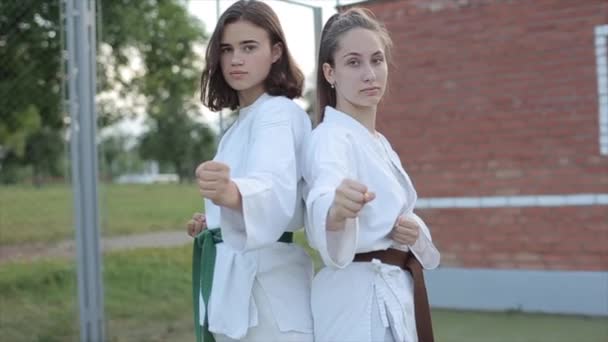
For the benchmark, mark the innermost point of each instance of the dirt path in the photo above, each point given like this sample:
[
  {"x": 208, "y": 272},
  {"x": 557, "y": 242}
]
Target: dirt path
[{"x": 67, "y": 249}]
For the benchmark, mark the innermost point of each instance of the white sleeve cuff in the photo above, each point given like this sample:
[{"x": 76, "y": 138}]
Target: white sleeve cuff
[
  {"x": 424, "y": 249},
  {"x": 337, "y": 248},
  {"x": 258, "y": 225}
]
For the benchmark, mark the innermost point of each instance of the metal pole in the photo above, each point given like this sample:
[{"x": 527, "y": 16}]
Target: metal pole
[
  {"x": 318, "y": 20},
  {"x": 80, "y": 19}
]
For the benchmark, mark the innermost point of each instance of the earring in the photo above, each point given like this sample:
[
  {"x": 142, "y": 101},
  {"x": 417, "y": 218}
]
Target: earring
[{"x": 333, "y": 86}]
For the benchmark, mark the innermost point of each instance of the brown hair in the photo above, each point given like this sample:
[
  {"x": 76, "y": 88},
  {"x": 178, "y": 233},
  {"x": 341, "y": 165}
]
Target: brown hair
[
  {"x": 284, "y": 78},
  {"x": 336, "y": 26}
]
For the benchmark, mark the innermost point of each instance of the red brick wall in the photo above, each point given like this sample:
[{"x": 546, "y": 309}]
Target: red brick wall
[
  {"x": 499, "y": 98},
  {"x": 566, "y": 238}
]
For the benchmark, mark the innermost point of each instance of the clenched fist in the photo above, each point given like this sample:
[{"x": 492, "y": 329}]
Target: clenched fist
[
  {"x": 351, "y": 196},
  {"x": 197, "y": 224},
  {"x": 405, "y": 231},
  {"x": 214, "y": 183}
]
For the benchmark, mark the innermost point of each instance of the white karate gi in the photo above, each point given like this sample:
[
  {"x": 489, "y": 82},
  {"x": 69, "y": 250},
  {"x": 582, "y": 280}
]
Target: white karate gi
[
  {"x": 360, "y": 301},
  {"x": 261, "y": 285}
]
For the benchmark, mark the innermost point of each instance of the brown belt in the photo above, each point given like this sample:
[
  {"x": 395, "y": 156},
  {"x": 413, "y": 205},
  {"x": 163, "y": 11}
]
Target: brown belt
[{"x": 407, "y": 261}]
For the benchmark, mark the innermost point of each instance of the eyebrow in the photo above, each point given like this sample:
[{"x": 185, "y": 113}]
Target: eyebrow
[
  {"x": 250, "y": 41},
  {"x": 356, "y": 54}
]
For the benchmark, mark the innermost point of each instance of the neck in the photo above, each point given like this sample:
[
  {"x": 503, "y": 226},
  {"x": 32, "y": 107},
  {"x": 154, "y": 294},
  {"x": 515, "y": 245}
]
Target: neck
[
  {"x": 364, "y": 115},
  {"x": 248, "y": 96}
]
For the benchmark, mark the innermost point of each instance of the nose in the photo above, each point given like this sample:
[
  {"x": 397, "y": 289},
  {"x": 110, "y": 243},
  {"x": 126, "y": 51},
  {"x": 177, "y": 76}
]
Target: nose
[
  {"x": 368, "y": 73},
  {"x": 236, "y": 59}
]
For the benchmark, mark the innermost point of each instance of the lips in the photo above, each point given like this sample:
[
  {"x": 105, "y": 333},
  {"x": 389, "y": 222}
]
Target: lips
[
  {"x": 371, "y": 90},
  {"x": 238, "y": 73}
]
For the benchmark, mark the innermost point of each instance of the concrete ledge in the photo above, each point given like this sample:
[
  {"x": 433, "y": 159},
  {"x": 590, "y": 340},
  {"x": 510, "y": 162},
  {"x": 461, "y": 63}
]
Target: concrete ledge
[{"x": 561, "y": 292}]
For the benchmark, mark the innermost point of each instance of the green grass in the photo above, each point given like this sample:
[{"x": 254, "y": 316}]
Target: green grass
[
  {"x": 147, "y": 292},
  {"x": 29, "y": 214},
  {"x": 457, "y": 326},
  {"x": 148, "y": 298}
]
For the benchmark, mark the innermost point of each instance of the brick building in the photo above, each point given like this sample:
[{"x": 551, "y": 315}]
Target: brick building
[{"x": 499, "y": 111}]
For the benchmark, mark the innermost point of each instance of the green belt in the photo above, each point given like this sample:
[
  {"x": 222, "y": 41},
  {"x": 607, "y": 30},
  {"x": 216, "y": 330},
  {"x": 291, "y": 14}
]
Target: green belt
[{"x": 202, "y": 275}]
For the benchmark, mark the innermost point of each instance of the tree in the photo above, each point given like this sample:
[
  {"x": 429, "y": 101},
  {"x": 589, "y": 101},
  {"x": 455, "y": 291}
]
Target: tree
[
  {"x": 118, "y": 156},
  {"x": 31, "y": 121},
  {"x": 168, "y": 85},
  {"x": 179, "y": 141},
  {"x": 32, "y": 117}
]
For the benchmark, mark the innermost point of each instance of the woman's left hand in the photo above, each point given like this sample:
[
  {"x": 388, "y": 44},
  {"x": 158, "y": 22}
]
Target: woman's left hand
[
  {"x": 197, "y": 224},
  {"x": 405, "y": 231}
]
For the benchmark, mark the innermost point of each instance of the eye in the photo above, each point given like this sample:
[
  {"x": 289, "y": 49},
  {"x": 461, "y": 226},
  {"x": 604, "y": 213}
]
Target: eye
[
  {"x": 225, "y": 49},
  {"x": 378, "y": 60},
  {"x": 352, "y": 62},
  {"x": 249, "y": 48}
]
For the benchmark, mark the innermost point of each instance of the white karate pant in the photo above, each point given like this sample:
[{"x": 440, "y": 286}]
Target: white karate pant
[{"x": 267, "y": 329}]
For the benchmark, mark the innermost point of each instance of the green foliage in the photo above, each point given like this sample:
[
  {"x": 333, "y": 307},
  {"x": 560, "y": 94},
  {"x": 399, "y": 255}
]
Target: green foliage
[
  {"x": 161, "y": 33},
  {"x": 179, "y": 141},
  {"x": 170, "y": 81},
  {"x": 30, "y": 88},
  {"x": 118, "y": 156}
]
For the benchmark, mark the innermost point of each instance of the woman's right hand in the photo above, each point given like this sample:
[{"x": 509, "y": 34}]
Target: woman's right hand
[
  {"x": 197, "y": 224},
  {"x": 350, "y": 198}
]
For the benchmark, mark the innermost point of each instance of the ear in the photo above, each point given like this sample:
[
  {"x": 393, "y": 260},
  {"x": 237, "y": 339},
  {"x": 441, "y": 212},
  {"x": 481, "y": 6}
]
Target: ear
[
  {"x": 328, "y": 72},
  {"x": 277, "y": 52}
]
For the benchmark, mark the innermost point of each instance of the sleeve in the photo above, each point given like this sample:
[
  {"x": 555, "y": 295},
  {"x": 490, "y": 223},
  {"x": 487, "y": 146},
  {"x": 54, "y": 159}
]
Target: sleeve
[
  {"x": 424, "y": 249},
  {"x": 328, "y": 160},
  {"x": 269, "y": 189}
]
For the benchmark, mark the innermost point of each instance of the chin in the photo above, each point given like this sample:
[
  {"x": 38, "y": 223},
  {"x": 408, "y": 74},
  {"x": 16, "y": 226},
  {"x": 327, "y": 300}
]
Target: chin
[
  {"x": 369, "y": 103},
  {"x": 239, "y": 86}
]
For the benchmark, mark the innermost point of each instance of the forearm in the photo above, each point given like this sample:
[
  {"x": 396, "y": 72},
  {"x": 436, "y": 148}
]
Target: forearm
[{"x": 232, "y": 199}]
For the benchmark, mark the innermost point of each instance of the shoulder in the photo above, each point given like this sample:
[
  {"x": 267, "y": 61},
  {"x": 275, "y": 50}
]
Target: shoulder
[
  {"x": 330, "y": 138},
  {"x": 329, "y": 131},
  {"x": 281, "y": 102},
  {"x": 282, "y": 106},
  {"x": 282, "y": 109}
]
